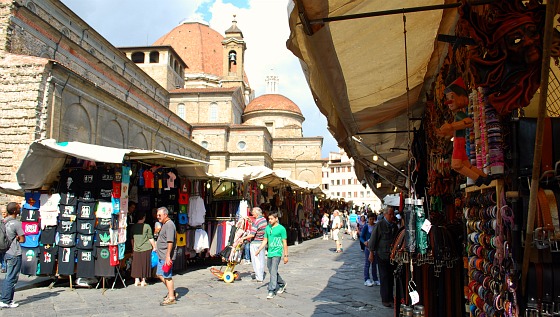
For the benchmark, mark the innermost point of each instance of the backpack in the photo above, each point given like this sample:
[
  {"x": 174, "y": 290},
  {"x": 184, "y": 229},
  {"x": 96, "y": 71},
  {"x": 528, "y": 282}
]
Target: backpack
[{"x": 4, "y": 241}]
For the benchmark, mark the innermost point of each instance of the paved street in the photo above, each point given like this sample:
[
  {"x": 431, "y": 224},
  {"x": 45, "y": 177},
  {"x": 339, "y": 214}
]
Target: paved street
[{"x": 320, "y": 282}]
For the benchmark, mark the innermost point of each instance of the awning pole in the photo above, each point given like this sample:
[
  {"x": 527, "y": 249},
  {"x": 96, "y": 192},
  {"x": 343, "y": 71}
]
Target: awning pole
[{"x": 545, "y": 68}]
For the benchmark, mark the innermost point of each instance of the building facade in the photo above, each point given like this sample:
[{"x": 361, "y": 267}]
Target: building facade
[{"x": 340, "y": 182}]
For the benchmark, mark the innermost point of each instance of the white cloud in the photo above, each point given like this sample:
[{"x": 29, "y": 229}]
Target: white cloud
[{"x": 264, "y": 25}]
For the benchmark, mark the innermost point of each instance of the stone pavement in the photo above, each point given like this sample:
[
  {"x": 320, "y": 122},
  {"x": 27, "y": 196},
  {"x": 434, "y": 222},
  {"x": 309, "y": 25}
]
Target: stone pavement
[{"x": 320, "y": 282}]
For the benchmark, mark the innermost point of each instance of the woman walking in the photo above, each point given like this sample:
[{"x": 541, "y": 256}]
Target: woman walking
[
  {"x": 325, "y": 224},
  {"x": 364, "y": 237},
  {"x": 143, "y": 243}
]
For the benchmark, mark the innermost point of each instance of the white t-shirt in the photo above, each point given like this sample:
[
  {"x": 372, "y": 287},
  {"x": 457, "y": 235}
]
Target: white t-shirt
[{"x": 336, "y": 223}]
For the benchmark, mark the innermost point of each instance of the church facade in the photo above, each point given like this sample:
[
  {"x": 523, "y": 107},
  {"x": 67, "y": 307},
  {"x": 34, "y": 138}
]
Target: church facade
[{"x": 61, "y": 79}]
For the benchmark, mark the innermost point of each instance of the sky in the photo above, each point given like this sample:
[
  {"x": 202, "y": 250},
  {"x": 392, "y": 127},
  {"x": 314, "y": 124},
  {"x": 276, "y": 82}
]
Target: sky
[{"x": 264, "y": 24}]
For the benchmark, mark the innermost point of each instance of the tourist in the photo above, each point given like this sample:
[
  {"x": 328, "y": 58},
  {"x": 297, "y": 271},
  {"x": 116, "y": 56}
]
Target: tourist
[
  {"x": 165, "y": 247},
  {"x": 364, "y": 237},
  {"x": 143, "y": 243},
  {"x": 336, "y": 230},
  {"x": 256, "y": 236},
  {"x": 15, "y": 235},
  {"x": 276, "y": 238},
  {"x": 325, "y": 225}
]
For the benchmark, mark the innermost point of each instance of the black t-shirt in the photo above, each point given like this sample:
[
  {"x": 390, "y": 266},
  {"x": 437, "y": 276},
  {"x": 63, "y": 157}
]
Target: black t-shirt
[
  {"x": 66, "y": 260},
  {"x": 106, "y": 177},
  {"x": 86, "y": 263},
  {"x": 85, "y": 241},
  {"x": 29, "y": 215},
  {"x": 29, "y": 260},
  {"x": 68, "y": 199},
  {"x": 67, "y": 240},
  {"x": 47, "y": 259},
  {"x": 48, "y": 235},
  {"x": 66, "y": 226},
  {"x": 103, "y": 223},
  {"x": 69, "y": 181},
  {"x": 86, "y": 210},
  {"x": 102, "y": 263},
  {"x": 102, "y": 238},
  {"x": 67, "y": 212},
  {"x": 86, "y": 226}
]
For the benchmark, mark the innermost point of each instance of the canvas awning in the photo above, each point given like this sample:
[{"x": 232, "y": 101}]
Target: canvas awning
[
  {"x": 266, "y": 176},
  {"x": 45, "y": 158},
  {"x": 356, "y": 70}
]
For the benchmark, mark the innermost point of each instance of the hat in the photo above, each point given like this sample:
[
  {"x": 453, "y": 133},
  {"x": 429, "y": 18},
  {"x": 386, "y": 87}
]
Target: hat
[{"x": 457, "y": 86}]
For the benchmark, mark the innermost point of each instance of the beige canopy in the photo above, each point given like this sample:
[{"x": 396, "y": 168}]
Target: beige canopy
[{"x": 356, "y": 70}]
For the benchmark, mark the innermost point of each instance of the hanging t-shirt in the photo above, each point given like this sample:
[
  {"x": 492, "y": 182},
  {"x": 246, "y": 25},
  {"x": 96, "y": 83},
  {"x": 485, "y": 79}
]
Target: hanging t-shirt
[
  {"x": 197, "y": 211},
  {"x": 67, "y": 226},
  {"x": 67, "y": 240},
  {"x": 116, "y": 205},
  {"x": 125, "y": 174},
  {"x": 32, "y": 200},
  {"x": 68, "y": 181},
  {"x": 29, "y": 215},
  {"x": 86, "y": 226},
  {"x": 31, "y": 241},
  {"x": 104, "y": 209},
  {"x": 148, "y": 179},
  {"x": 49, "y": 218},
  {"x": 118, "y": 174},
  {"x": 103, "y": 224},
  {"x": 102, "y": 238},
  {"x": 86, "y": 210},
  {"x": 171, "y": 179},
  {"x": 48, "y": 235},
  {"x": 86, "y": 263},
  {"x": 102, "y": 263},
  {"x": 30, "y": 228},
  {"x": 68, "y": 199},
  {"x": 85, "y": 241},
  {"x": 29, "y": 261},
  {"x": 106, "y": 177},
  {"x": 114, "y": 255},
  {"x": 68, "y": 212},
  {"x": 117, "y": 187},
  {"x": 47, "y": 256},
  {"x": 141, "y": 181},
  {"x": 49, "y": 202},
  {"x": 66, "y": 260}
]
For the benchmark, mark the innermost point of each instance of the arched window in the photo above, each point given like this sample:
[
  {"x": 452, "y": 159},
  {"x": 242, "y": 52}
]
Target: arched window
[
  {"x": 213, "y": 112},
  {"x": 176, "y": 66},
  {"x": 138, "y": 57},
  {"x": 181, "y": 111},
  {"x": 154, "y": 57}
]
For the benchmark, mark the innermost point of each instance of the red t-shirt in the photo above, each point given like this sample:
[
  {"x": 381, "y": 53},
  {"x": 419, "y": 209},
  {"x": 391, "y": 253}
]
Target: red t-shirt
[{"x": 148, "y": 179}]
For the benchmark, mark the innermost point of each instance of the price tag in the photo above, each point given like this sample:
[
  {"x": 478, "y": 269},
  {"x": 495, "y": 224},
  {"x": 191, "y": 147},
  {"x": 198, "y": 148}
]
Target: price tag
[
  {"x": 426, "y": 226},
  {"x": 414, "y": 297}
]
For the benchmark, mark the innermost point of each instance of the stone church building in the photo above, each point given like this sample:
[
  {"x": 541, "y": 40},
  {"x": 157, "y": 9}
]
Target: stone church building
[{"x": 186, "y": 94}]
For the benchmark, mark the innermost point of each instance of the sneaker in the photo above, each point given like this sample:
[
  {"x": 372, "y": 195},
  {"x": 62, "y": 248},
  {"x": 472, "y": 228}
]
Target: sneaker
[
  {"x": 270, "y": 295},
  {"x": 377, "y": 283},
  {"x": 368, "y": 283},
  {"x": 11, "y": 305},
  {"x": 281, "y": 289}
]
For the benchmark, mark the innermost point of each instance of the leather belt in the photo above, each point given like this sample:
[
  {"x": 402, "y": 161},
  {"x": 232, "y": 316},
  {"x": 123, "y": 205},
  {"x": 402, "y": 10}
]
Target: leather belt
[
  {"x": 553, "y": 207},
  {"x": 556, "y": 288},
  {"x": 532, "y": 303},
  {"x": 544, "y": 231},
  {"x": 548, "y": 288}
]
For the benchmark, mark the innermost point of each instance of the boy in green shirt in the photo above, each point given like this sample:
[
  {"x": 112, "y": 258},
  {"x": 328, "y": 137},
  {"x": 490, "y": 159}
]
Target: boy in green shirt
[{"x": 276, "y": 234}]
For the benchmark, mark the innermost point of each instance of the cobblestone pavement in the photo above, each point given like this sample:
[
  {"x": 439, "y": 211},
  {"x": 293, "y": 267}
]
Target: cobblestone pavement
[{"x": 320, "y": 282}]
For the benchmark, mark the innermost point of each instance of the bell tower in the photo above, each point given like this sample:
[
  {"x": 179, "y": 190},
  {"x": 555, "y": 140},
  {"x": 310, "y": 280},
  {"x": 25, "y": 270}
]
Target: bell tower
[{"x": 233, "y": 56}]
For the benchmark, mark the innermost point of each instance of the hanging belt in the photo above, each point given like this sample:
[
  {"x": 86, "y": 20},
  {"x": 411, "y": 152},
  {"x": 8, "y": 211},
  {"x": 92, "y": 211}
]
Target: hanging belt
[
  {"x": 553, "y": 207},
  {"x": 532, "y": 303},
  {"x": 545, "y": 229},
  {"x": 556, "y": 287},
  {"x": 548, "y": 288}
]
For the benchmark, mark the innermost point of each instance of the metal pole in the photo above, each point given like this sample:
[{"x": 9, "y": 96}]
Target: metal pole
[{"x": 545, "y": 68}]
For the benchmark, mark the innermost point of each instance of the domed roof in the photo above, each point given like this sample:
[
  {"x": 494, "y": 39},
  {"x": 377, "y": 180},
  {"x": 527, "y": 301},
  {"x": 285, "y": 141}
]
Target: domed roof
[
  {"x": 198, "y": 45},
  {"x": 272, "y": 102}
]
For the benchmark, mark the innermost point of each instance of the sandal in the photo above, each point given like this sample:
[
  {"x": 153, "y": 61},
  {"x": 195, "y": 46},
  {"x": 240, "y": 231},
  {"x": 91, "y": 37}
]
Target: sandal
[
  {"x": 168, "y": 301},
  {"x": 176, "y": 296}
]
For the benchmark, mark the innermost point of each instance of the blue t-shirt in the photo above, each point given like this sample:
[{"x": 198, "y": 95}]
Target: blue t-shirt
[{"x": 353, "y": 218}]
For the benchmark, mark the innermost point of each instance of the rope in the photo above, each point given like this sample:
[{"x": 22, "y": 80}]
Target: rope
[{"x": 409, "y": 145}]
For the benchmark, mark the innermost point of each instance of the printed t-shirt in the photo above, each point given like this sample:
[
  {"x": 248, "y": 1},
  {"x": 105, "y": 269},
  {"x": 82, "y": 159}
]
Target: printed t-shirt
[
  {"x": 117, "y": 187},
  {"x": 29, "y": 215},
  {"x": 49, "y": 218},
  {"x": 68, "y": 181},
  {"x": 171, "y": 180},
  {"x": 102, "y": 263},
  {"x": 125, "y": 174},
  {"x": 275, "y": 235},
  {"x": 49, "y": 202},
  {"x": 141, "y": 180},
  {"x": 102, "y": 238},
  {"x": 86, "y": 210},
  {"x": 31, "y": 241},
  {"x": 103, "y": 224},
  {"x": 86, "y": 226},
  {"x": 68, "y": 199},
  {"x": 47, "y": 256},
  {"x": 66, "y": 260},
  {"x": 67, "y": 212},
  {"x": 30, "y": 228},
  {"x": 67, "y": 240},
  {"x": 86, "y": 263},
  {"x": 104, "y": 210},
  {"x": 67, "y": 226},
  {"x": 257, "y": 229},
  {"x": 85, "y": 241},
  {"x": 29, "y": 260},
  {"x": 166, "y": 234},
  {"x": 106, "y": 177},
  {"x": 48, "y": 235},
  {"x": 32, "y": 200}
]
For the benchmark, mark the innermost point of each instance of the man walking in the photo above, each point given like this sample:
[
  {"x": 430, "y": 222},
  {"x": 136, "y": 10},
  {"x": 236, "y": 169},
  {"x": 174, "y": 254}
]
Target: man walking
[
  {"x": 165, "y": 246},
  {"x": 379, "y": 244},
  {"x": 256, "y": 236},
  {"x": 276, "y": 237},
  {"x": 15, "y": 235}
]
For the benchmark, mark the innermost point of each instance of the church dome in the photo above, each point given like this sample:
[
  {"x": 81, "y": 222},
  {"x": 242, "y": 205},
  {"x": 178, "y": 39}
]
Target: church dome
[
  {"x": 272, "y": 102},
  {"x": 198, "y": 45}
]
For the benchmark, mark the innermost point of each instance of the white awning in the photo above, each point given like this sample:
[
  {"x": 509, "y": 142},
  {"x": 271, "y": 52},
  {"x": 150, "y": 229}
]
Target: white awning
[
  {"x": 11, "y": 189},
  {"x": 45, "y": 158},
  {"x": 356, "y": 71}
]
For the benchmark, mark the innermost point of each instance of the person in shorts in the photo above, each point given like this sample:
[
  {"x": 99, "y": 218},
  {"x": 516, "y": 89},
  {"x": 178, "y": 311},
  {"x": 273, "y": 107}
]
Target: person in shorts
[{"x": 165, "y": 247}]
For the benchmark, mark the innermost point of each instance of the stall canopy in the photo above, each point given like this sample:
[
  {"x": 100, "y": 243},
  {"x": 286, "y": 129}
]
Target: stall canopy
[
  {"x": 356, "y": 69},
  {"x": 266, "y": 176},
  {"x": 45, "y": 158}
]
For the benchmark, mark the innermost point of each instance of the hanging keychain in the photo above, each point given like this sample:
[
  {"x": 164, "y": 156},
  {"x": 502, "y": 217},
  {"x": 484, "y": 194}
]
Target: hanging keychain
[{"x": 414, "y": 296}]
